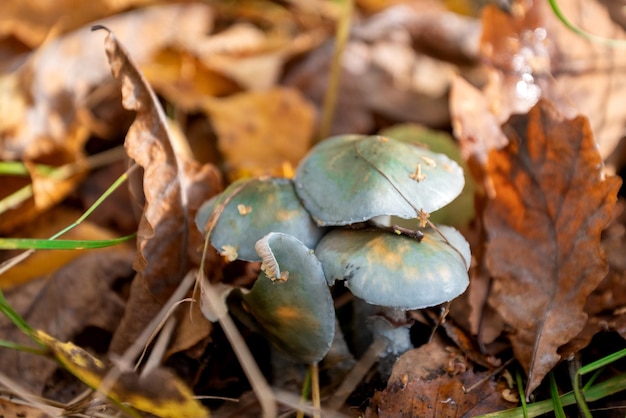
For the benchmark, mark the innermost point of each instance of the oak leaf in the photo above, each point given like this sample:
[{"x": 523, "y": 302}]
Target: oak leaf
[{"x": 544, "y": 224}]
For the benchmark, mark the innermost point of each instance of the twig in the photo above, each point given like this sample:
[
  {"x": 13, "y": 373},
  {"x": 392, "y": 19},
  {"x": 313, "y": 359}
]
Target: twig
[
  {"x": 330, "y": 99},
  {"x": 356, "y": 374}
]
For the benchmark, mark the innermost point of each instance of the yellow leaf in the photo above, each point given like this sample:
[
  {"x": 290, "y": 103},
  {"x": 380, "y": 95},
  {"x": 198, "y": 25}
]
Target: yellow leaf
[
  {"x": 160, "y": 392},
  {"x": 259, "y": 131},
  {"x": 89, "y": 369}
]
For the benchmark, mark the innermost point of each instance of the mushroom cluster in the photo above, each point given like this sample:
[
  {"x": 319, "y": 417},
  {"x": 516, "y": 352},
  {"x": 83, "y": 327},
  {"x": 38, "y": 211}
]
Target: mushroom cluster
[{"x": 329, "y": 224}]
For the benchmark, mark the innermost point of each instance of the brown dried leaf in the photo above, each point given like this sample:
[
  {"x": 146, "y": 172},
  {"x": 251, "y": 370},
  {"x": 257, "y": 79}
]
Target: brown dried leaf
[
  {"x": 605, "y": 306},
  {"x": 476, "y": 128},
  {"x": 543, "y": 226},
  {"x": 247, "y": 55},
  {"x": 184, "y": 80},
  {"x": 75, "y": 297},
  {"x": 147, "y": 142},
  {"x": 191, "y": 333},
  {"x": 55, "y": 80},
  {"x": 46, "y": 188},
  {"x": 173, "y": 189},
  {"x": 430, "y": 382}
]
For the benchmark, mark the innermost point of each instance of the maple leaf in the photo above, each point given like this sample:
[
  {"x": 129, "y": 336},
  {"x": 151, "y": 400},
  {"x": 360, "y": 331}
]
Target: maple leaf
[{"x": 544, "y": 224}]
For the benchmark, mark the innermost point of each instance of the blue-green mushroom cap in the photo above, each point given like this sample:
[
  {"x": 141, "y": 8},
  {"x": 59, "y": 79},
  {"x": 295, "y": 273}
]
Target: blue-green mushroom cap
[
  {"x": 290, "y": 300},
  {"x": 397, "y": 271},
  {"x": 353, "y": 178},
  {"x": 250, "y": 209}
]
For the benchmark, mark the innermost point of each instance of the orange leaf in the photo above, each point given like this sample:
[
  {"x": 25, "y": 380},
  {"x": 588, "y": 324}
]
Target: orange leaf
[{"x": 544, "y": 224}]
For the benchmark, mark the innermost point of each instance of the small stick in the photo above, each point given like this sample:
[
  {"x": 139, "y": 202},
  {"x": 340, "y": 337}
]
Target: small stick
[
  {"x": 356, "y": 374},
  {"x": 315, "y": 390},
  {"x": 330, "y": 100}
]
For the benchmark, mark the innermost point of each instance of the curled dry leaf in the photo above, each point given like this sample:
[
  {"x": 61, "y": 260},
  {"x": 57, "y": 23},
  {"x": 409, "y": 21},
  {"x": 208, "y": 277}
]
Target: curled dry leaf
[
  {"x": 543, "y": 225},
  {"x": 173, "y": 188}
]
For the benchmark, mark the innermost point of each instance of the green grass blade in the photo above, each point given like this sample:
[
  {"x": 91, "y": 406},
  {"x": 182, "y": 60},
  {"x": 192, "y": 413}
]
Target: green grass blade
[
  {"x": 121, "y": 179},
  {"x": 23, "y": 348},
  {"x": 6, "y": 265},
  {"x": 26, "y": 192},
  {"x": 16, "y": 168},
  {"x": 520, "y": 390},
  {"x": 16, "y": 198},
  {"x": 46, "y": 244},
  {"x": 556, "y": 399},
  {"x": 304, "y": 394},
  {"x": 604, "y": 361},
  {"x": 580, "y": 397},
  {"x": 601, "y": 390},
  {"x": 13, "y": 316},
  {"x": 580, "y": 393},
  {"x": 592, "y": 379},
  {"x": 581, "y": 32}
]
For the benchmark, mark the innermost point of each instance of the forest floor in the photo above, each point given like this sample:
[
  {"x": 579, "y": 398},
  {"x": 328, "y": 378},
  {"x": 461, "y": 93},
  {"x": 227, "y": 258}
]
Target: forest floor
[{"x": 129, "y": 116}]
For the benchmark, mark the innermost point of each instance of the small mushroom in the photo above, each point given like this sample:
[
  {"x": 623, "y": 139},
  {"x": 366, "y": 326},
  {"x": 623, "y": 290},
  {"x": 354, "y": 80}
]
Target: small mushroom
[
  {"x": 290, "y": 302},
  {"x": 250, "y": 209},
  {"x": 397, "y": 271},
  {"x": 353, "y": 178}
]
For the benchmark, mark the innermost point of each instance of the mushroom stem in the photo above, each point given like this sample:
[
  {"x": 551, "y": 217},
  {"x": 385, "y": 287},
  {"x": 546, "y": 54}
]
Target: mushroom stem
[
  {"x": 381, "y": 221},
  {"x": 391, "y": 325}
]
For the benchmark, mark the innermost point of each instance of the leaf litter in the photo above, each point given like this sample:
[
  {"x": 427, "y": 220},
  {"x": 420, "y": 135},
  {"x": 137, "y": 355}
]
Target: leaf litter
[{"x": 232, "y": 66}]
